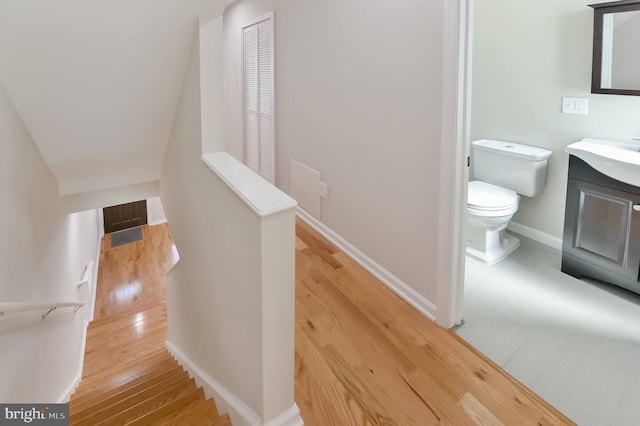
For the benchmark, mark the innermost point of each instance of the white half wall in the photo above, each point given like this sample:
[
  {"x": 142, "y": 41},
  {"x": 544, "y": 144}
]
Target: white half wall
[
  {"x": 42, "y": 257},
  {"x": 359, "y": 99},
  {"x": 230, "y": 299}
]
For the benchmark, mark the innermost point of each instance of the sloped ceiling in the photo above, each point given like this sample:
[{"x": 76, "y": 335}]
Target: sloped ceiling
[{"x": 97, "y": 82}]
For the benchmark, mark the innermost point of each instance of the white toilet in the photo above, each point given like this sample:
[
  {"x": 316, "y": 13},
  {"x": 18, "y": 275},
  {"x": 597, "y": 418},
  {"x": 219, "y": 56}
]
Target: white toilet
[{"x": 503, "y": 170}]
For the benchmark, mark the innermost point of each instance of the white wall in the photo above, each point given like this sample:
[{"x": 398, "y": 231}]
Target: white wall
[
  {"x": 111, "y": 197},
  {"x": 42, "y": 256},
  {"x": 358, "y": 98},
  {"x": 224, "y": 318},
  {"x": 527, "y": 55},
  {"x": 155, "y": 211},
  {"x": 211, "y": 93},
  {"x": 97, "y": 83}
]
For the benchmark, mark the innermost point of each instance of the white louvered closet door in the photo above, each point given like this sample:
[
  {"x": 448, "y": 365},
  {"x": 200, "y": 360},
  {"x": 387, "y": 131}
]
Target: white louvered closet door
[{"x": 259, "y": 146}]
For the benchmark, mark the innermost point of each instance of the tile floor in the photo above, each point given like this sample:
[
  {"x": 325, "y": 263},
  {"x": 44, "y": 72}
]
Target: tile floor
[{"x": 576, "y": 343}]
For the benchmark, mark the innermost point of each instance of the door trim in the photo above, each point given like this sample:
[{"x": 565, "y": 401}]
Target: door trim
[{"x": 456, "y": 108}]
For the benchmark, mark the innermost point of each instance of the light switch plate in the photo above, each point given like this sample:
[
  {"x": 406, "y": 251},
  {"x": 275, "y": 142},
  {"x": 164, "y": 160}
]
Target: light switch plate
[
  {"x": 575, "y": 106},
  {"x": 324, "y": 190}
]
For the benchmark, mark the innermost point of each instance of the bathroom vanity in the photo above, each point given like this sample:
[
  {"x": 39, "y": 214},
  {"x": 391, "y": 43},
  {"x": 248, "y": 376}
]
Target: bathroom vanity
[{"x": 602, "y": 227}]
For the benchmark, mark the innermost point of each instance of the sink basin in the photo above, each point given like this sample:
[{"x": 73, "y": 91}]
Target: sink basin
[{"x": 618, "y": 160}]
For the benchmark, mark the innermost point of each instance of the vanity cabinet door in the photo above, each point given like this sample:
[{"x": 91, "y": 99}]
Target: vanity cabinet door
[{"x": 603, "y": 227}]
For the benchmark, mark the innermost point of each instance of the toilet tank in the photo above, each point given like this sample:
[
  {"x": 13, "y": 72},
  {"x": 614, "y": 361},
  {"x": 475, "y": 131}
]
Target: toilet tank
[{"x": 521, "y": 168}]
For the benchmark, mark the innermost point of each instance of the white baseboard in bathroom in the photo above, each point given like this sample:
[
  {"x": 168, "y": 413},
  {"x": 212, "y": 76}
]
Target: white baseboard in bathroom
[
  {"x": 536, "y": 235},
  {"x": 402, "y": 289}
]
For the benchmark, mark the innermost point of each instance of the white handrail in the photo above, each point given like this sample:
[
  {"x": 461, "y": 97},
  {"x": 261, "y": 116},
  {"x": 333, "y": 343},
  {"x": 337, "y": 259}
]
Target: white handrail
[
  {"x": 85, "y": 274},
  {"x": 7, "y": 308}
]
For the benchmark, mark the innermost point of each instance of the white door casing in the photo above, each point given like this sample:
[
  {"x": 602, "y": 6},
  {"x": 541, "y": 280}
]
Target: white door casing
[{"x": 456, "y": 108}]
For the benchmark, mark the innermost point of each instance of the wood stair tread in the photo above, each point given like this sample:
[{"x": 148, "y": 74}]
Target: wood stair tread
[
  {"x": 163, "y": 395},
  {"x": 108, "y": 333},
  {"x": 199, "y": 412},
  {"x": 131, "y": 406},
  {"x": 140, "y": 404},
  {"x": 125, "y": 391},
  {"x": 129, "y": 377},
  {"x": 114, "y": 335},
  {"x": 137, "y": 325},
  {"x": 150, "y": 308},
  {"x": 117, "y": 356},
  {"x": 153, "y": 416},
  {"x": 120, "y": 382},
  {"x": 109, "y": 378},
  {"x": 223, "y": 420}
]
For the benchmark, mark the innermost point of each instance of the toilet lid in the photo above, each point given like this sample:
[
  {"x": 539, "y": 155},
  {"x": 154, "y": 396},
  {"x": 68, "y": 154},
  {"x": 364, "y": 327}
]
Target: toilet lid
[{"x": 484, "y": 196}]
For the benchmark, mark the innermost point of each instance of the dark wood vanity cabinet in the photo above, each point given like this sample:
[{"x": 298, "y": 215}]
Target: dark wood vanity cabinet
[{"x": 601, "y": 228}]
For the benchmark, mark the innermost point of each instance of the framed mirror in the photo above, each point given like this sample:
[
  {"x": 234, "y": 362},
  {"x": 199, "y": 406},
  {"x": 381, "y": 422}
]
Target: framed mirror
[{"x": 616, "y": 48}]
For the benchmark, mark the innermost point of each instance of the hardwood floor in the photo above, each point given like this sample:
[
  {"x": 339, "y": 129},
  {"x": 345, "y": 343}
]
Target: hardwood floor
[
  {"x": 365, "y": 357},
  {"x": 128, "y": 376},
  {"x": 134, "y": 274}
]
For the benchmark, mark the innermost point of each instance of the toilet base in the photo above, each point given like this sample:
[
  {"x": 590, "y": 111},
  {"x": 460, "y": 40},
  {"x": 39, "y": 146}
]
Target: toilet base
[{"x": 506, "y": 245}]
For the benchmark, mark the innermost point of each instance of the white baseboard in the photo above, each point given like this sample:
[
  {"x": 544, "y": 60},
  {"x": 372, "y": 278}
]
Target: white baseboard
[
  {"x": 66, "y": 395},
  {"x": 402, "y": 289},
  {"x": 291, "y": 417},
  {"x": 241, "y": 414},
  {"x": 157, "y": 222},
  {"x": 536, "y": 235},
  {"x": 90, "y": 305}
]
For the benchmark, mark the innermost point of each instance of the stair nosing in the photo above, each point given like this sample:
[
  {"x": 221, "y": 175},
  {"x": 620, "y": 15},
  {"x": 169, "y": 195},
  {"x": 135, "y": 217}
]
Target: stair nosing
[{"x": 127, "y": 387}]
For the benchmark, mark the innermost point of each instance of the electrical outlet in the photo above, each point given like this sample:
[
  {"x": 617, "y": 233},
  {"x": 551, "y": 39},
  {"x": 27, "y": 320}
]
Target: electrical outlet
[
  {"x": 324, "y": 190},
  {"x": 575, "y": 106}
]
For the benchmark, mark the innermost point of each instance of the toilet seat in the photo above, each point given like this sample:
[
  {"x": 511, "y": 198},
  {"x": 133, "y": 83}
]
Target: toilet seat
[
  {"x": 487, "y": 199},
  {"x": 489, "y": 210}
]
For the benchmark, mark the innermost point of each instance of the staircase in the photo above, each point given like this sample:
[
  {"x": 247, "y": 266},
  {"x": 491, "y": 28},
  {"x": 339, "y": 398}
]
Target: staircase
[{"x": 129, "y": 378}]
